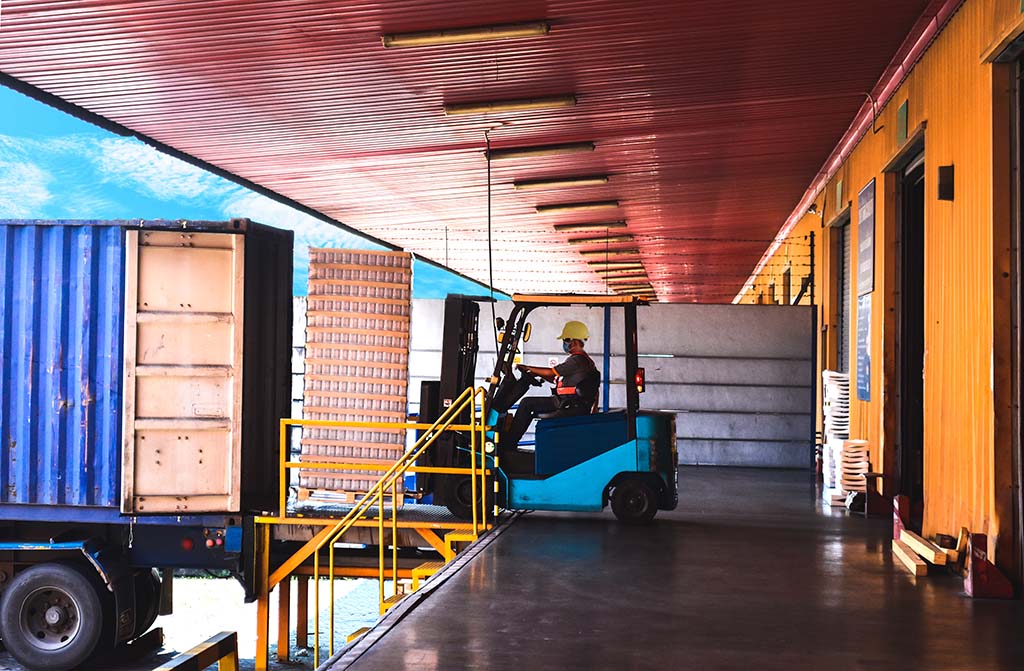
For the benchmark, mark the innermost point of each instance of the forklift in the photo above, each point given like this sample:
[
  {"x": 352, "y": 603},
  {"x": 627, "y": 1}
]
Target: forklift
[{"x": 625, "y": 457}]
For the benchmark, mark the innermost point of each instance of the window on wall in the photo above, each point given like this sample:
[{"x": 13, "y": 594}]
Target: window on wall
[{"x": 845, "y": 287}]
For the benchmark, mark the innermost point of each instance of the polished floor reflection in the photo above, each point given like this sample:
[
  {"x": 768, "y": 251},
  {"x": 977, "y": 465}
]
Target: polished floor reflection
[{"x": 751, "y": 572}]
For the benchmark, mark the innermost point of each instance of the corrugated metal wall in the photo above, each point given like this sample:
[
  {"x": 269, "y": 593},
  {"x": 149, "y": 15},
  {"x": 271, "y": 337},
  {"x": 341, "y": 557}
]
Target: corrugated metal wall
[
  {"x": 952, "y": 90},
  {"x": 61, "y": 332},
  {"x": 741, "y": 377}
]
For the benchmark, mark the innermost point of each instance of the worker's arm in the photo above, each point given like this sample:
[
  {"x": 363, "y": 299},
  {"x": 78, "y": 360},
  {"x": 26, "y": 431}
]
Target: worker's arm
[{"x": 548, "y": 374}]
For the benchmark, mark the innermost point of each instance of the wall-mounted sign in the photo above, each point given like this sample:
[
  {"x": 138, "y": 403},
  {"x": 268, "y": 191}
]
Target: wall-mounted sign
[
  {"x": 866, "y": 239},
  {"x": 864, "y": 348}
]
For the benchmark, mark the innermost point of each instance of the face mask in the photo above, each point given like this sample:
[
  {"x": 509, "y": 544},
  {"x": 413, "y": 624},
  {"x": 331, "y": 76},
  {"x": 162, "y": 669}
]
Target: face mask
[{"x": 566, "y": 346}]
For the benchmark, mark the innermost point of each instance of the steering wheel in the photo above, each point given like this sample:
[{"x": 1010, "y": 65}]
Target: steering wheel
[{"x": 535, "y": 380}]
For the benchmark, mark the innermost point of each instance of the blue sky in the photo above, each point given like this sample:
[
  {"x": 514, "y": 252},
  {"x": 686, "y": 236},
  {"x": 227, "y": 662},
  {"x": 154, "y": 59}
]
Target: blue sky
[{"x": 54, "y": 166}]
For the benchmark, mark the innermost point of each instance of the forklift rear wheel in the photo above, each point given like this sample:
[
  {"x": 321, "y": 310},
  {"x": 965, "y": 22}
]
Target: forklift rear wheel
[
  {"x": 634, "y": 501},
  {"x": 459, "y": 498},
  {"x": 52, "y": 617}
]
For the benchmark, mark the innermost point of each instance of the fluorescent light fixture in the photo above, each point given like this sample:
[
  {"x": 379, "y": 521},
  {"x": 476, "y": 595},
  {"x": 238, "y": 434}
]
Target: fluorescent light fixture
[
  {"x": 541, "y": 150},
  {"x": 601, "y": 240},
  {"x": 432, "y": 38},
  {"x": 603, "y": 226},
  {"x": 610, "y": 252},
  {"x": 509, "y": 105},
  {"x": 561, "y": 182},
  {"x": 627, "y": 279},
  {"x": 577, "y": 207},
  {"x": 615, "y": 265}
]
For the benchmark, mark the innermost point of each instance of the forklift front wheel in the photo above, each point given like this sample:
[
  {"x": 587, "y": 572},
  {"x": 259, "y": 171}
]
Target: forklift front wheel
[{"x": 634, "y": 501}]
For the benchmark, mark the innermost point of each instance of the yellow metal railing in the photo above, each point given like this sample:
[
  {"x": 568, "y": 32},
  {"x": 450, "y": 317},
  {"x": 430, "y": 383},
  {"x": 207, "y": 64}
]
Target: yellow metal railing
[{"x": 376, "y": 496}]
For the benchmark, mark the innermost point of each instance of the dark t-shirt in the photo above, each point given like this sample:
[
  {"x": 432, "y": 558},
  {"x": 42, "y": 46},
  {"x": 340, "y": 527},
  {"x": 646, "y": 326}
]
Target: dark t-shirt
[{"x": 579, "y": 371}]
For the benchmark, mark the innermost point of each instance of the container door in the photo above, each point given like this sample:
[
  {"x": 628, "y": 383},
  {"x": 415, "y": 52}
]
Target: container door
[{"x": 183, "y": 372}]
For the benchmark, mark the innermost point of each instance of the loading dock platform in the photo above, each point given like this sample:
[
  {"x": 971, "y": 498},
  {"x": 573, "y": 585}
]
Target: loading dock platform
[{"x": 751, "y": 571}]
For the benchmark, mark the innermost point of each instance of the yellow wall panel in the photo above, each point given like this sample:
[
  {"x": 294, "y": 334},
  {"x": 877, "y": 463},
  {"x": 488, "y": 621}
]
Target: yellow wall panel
[{"x": 951, "y": 90}]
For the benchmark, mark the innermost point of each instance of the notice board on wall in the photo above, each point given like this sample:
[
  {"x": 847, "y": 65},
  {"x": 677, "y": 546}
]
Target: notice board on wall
[
  {"x": 866, "y": 239},
  {"x": 864, "y": 348}
]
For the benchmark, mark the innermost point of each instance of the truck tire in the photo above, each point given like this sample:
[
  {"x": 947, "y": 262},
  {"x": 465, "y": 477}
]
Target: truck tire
[
  {"x": 635, "y": 501},
  {"x": 147, "y": 601},
  {"x": 52, "y": 617}
]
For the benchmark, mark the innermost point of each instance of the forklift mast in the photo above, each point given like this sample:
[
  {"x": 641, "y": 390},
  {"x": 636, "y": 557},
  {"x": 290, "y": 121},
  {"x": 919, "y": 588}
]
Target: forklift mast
[{"x": 459, "y": 347}]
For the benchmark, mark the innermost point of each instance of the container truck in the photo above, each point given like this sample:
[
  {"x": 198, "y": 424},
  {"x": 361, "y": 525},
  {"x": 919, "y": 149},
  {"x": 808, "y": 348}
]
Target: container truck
[{"x": 145, "y": 366}]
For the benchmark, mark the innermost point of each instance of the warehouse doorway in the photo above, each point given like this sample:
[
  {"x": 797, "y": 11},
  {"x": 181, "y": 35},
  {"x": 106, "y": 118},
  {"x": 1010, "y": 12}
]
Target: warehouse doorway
[{"x": 910, "y": 451}]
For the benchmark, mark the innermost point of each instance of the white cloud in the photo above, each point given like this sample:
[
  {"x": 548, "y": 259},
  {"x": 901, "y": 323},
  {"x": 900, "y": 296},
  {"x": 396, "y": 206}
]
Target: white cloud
[
  {"x": 309, "y": 231},
  {"x": 129, "y": 163},
  {"x": 24, "y": 185}
]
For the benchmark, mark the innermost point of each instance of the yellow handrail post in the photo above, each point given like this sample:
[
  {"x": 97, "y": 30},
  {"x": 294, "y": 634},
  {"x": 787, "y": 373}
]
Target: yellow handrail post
[
  {"x": 316, "y": 607},
  {"x": 394, "y": 534},
  {"x": 380, "y": 551},
  {"x": 330, "y": 570}
]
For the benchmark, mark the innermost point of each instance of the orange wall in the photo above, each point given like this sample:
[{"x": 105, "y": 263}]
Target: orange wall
[{"x": 966, "y": 337}]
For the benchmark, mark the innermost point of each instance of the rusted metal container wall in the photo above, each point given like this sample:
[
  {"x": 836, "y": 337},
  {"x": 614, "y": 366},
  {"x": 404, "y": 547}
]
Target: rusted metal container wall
[
  {"x": 60, "y": 337},
  {"x": 966, "y": 331}
]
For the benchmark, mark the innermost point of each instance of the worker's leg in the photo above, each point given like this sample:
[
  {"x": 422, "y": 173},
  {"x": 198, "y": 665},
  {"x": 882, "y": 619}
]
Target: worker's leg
[
  {"x": 529, "y": 408},
  {"x": 509, "y": 391}
]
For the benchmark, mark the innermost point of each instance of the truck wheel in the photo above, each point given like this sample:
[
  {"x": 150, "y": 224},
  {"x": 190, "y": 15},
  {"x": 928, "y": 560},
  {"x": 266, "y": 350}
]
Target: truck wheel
[
  {"x": 634, "y": 501},
  {"x": 147, "y": 601},
  {"x": 51, "y": 617}
]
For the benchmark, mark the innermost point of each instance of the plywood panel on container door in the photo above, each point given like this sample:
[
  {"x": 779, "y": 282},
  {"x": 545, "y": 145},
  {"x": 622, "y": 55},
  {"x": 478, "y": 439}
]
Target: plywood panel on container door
[{"x": 184, "y": 300}]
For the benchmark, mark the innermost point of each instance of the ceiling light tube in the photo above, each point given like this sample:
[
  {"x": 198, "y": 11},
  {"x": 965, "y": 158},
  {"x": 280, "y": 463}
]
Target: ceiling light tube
[
  {"x": 605, "y": 226},
  {"x": 602, "y": 240},
  {"x": 541, "y": 150},
  {"x": 452, "y": 109},
  {"x": 627, "y": 279},
  {"x": 431, "y": 38},
  {"x": 610, "y": 252},
  {"x": 615, "y": 265},
  {"x": 577, "y": 207},
  {"x": 561, "y": 182}
]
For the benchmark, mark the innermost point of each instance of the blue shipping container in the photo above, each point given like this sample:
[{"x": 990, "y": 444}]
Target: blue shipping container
[
  {"x": 61, "y": 336},
  {"x": 62, "y": 348}
]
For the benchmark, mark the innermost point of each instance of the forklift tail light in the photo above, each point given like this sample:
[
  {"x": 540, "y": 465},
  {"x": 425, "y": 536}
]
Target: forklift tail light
[{"x": 641, "y": 380}]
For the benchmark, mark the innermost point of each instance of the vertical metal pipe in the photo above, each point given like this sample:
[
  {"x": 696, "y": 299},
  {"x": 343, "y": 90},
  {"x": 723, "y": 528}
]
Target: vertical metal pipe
[{"x": 607, "y": 390}]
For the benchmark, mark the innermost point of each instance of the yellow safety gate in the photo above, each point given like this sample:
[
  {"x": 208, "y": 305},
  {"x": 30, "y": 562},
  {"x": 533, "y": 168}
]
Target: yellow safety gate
[{"x": 374, "y": 501}]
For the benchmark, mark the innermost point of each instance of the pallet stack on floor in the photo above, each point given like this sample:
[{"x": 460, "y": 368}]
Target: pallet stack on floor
[
  {"x": 356, "y": 366},
  {"x": 836, "y": 409}
]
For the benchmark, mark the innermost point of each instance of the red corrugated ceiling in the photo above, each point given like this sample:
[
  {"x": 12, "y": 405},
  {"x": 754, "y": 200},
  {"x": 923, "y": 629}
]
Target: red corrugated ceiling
[{"x": 710, "y": 117}]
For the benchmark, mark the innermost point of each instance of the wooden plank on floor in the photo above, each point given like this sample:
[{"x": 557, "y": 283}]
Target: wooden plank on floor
[
  {"x": 909, "y": 558},
  {"x": 928, "y": 550}
]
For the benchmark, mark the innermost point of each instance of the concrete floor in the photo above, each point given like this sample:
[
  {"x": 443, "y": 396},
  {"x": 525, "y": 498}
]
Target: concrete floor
[{"x": 751, "y": 572}]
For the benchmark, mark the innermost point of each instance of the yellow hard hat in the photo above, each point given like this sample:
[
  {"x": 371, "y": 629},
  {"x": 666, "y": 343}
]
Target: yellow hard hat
[{"x": 574, "y": 331}]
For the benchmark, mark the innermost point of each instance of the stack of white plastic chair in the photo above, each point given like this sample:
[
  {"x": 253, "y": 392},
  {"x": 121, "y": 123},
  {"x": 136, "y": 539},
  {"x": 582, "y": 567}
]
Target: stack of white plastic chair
[{"x": 836, "y": 409}]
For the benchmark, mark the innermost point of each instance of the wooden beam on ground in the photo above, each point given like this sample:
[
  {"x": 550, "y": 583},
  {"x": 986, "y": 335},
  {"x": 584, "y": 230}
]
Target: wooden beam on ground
[
  {"x": 928, "y": 550},
  {"x": 222, "y": 648},
  {"x": 909, "y": 558}
]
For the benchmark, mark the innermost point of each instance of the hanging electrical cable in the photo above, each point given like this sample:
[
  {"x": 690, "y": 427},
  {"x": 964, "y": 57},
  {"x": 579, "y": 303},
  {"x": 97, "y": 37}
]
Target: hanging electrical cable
[{"x": 490, "y": 249}]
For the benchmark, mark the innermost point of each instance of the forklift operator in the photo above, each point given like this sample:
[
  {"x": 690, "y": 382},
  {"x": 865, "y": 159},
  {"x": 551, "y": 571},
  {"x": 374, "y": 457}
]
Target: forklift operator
[{"x": 576, "y": 385}]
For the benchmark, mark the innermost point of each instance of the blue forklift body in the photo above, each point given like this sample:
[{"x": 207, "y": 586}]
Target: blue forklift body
[{"x": 582, "y": 457}]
